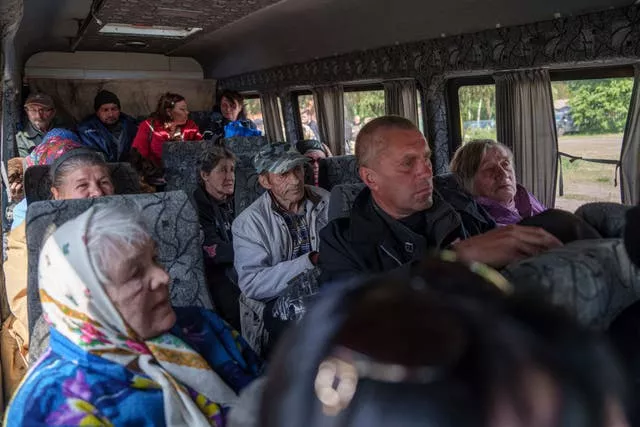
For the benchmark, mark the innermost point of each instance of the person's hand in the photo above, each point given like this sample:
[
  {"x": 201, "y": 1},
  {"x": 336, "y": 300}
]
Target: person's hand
[
  {"x": 15, "y": 189},
  {"x": 313, "y": 257},
  {"x": 504, "y": 245}
]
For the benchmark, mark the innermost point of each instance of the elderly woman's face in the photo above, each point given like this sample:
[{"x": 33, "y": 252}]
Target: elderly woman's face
[
  {"x": 139, "y": 289},
  {"x": 84, "y": 183},
  {"x": 220, "y": 182},
  {"x": 230, "y": 108},
  {"x": 495, "y": 177}
]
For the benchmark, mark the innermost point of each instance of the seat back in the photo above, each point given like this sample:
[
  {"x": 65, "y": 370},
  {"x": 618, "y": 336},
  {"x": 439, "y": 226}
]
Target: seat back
[
  {"x": 593, "y": 279},
  {"x": 169, "y": 217},
  {"x": 180, "y": 159},
  {"x": 338, "y": 170},
  {"x": 342, "y": 198},
  {"x": 245, "y": 148},
  {"x": 37, "y": 182},
  {"x": 608, "y": 218}
]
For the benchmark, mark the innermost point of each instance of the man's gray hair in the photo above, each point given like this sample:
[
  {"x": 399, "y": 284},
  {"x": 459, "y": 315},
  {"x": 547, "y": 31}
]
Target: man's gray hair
[
  {"x": 467, "y": 159},
  {"x": 111, "y": 233}
]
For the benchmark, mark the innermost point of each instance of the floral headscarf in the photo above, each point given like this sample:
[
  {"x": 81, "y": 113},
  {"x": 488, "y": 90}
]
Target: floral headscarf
[
  {"x": 54, "y": 144},
  {"x": 76, "y": 305}
]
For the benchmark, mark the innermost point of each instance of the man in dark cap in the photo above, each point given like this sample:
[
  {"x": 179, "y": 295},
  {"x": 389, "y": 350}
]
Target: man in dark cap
[
  {"x": 41, "y": 112},
  {"x": 108, "y": 130},
  {"x": 275, "y": 239},
  {"x": 315, "y": 151}
]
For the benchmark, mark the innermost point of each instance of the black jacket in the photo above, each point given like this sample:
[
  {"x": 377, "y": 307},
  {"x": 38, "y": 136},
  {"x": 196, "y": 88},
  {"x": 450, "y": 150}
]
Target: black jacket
[
  {"x": 218, "y": 246},
  {"x": 370, "y": 241}
]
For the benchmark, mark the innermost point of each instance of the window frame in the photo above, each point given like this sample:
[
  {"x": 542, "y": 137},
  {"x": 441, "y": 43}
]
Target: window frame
[{"x": 454, "y": 84}]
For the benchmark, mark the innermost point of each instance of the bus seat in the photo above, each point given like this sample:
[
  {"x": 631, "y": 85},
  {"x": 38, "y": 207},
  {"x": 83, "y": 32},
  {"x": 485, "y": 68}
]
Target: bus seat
[
  {"x": 245, "y": 147},
  {"x": 37, "y": 183},
  {"x": 607, "y": 218},
  {"x": 342, "y": 198},
  {"x": 39, "y": 340},
  {"x": 338, "y": 170},
  {"x": 202, "y": 119},
  {"x": 593, "y": 279},
  {"x": 180, "y": 159},
  {"x": 169, "y": 217}
]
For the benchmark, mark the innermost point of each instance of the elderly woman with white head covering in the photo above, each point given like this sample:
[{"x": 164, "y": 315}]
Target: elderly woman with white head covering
[{"x": 119, "y": 353}]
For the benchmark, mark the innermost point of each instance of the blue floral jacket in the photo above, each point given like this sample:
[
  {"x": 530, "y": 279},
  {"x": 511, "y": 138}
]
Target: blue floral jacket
[{"x": 69, "y": 387}]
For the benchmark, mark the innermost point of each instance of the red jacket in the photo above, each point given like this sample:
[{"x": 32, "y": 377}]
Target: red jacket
[{"x": 151, "y": 136}]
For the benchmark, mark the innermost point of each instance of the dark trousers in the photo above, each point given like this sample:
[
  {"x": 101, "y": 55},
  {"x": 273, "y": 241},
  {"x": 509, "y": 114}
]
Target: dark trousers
[{"x": 225, "y": 295}]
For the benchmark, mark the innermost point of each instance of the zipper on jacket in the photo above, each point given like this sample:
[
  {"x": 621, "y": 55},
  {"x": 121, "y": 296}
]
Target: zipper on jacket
[{"x": 391, "y": 255}]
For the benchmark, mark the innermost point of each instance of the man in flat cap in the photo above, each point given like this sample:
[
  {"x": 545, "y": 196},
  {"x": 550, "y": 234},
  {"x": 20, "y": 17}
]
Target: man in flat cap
[
  {"x": 276, "y": 237},
  {"x": 108, "y": 130},
  {"x": 41, "y": 112}
]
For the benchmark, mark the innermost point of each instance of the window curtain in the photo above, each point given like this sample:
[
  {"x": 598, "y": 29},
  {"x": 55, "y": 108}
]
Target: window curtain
[
  {"x": 401, "y": 99},
  {"x": 271, "y": 116},
  {"x": 630, "y": 153},
  {"x": 526, "y": 124},
  {"x": 329, "y": 103}
]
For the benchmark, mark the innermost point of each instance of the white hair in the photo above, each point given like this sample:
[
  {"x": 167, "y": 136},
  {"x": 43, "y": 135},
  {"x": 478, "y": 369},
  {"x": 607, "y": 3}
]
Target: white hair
[{"x": 110, "y": 233}]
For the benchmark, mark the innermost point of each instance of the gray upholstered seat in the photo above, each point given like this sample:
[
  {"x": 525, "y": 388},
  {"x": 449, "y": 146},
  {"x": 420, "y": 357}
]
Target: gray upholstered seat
[
  {"x": 594, "y": 279},
  {"x": 245, "y": 147},
  {"x": 169, "y": 217},
  {"x": 37, "y": 182},
  {"x": 342, "y": 198},
  {"x": 607, "y": 218},
  {"x": 180, "y": 159},
  {"x": 338, "y": 170}
]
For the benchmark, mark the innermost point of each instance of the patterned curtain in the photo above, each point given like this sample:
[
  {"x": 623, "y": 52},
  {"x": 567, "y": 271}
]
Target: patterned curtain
[
  {"x": 526, "y": 124},
  {"x": 330, "y": 111},
  {"x": 401, "y": 99},
  {"x": 630, "y": 153},
  {"x": 272, "y": 117}
]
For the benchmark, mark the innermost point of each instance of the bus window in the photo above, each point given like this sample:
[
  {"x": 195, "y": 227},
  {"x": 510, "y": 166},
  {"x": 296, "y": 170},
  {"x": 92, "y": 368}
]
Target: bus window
[
  {"x": 590, "y": 119},
  {"x": 477, "y": 112},
  {"x": 253, "y": 110},
  {"x": 308, "y": 117},
  {"x": 360, "y": 107}
]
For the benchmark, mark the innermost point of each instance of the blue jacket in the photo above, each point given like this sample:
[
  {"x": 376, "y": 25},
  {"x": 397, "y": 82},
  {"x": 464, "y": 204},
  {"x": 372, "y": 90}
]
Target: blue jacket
[{"x": 94, "y": 134}]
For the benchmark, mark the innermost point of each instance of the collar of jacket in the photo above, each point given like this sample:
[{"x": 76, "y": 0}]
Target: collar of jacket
[
  {"x": 372, "y": 227},
  {"x": 31, "y": 132}
]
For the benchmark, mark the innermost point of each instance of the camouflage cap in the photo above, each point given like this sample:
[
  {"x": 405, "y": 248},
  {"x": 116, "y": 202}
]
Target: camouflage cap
[
  {"x": 40, "y": 98},
  {"x": 278, "y": 158}
]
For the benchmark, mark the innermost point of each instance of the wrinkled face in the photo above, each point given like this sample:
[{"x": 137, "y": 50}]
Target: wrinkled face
[
  {"x": 495, "y": 177},
  {"x": 84, "y": 183},
  {"x": 315, "y": 156},
  {"x": 400, "y": 177},
  {"x": 179, "y": 113},
  {"x": 40, "y": 116},
  {"x": 109, "y": 114},
  {"x": 220, "y": 182},
  {"x": 287, "y": 188},
  {"x": 230, "y": 108},
  {"x": 139, "y": 290}
]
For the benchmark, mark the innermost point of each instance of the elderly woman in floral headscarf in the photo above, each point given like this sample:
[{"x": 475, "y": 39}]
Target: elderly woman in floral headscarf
[{"x": 119, "y": 353}]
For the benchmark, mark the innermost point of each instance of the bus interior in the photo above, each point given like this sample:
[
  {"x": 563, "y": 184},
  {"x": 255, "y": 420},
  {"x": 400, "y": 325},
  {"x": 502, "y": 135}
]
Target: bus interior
[{"x": 556, "y": 81}]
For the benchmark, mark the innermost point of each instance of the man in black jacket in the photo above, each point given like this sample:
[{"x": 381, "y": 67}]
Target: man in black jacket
[{"x": 400, "y": 216}]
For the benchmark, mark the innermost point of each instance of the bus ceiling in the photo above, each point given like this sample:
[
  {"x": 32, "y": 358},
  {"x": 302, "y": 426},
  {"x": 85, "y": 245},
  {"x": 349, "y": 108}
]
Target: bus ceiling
[{"x": 237, "y": 36}]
